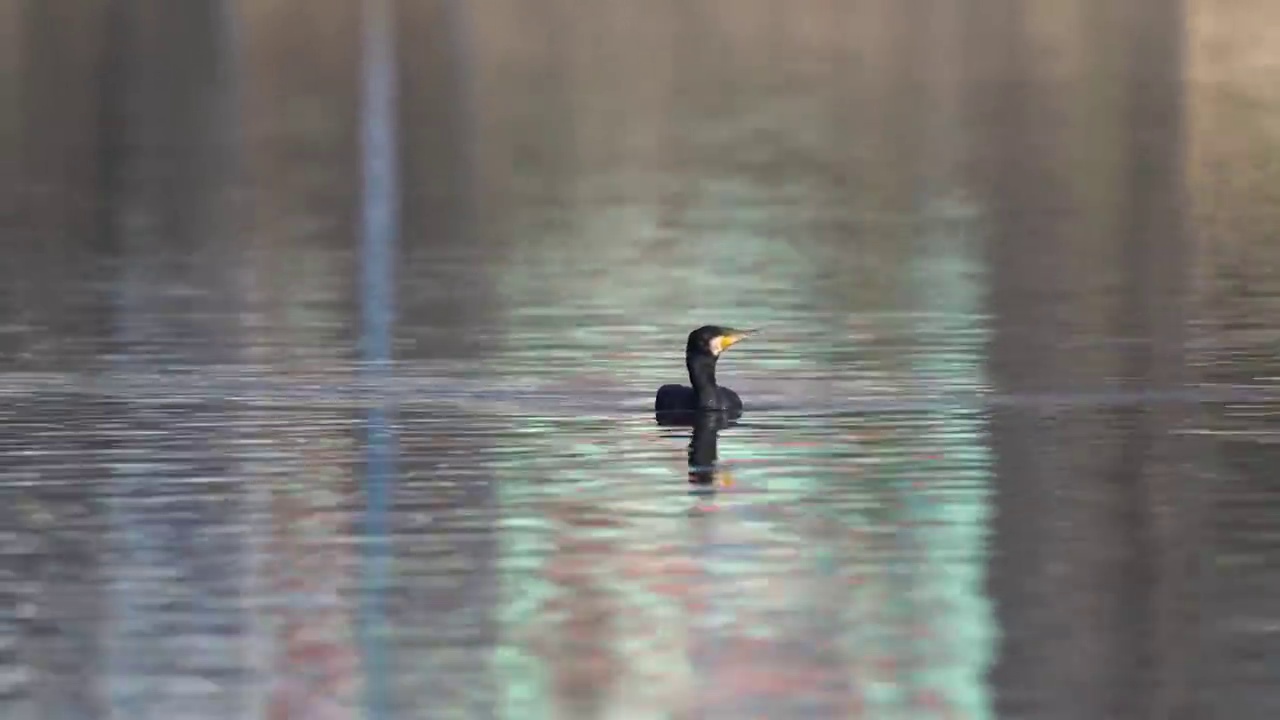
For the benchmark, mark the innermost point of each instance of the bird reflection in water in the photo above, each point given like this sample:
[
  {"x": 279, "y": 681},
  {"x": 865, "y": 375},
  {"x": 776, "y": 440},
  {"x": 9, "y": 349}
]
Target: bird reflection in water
[
  {"x": 703, "y": 450},
  {"x": 704, "y": 471}
]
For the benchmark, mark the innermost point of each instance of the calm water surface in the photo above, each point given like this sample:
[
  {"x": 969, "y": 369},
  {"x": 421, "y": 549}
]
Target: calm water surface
[
  {"x": 319, "y": 400},
  {"x": 512, "y": 534}
]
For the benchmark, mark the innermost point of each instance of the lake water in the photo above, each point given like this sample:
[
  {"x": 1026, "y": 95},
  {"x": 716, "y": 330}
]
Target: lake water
[{"x": 327, "y": 363}]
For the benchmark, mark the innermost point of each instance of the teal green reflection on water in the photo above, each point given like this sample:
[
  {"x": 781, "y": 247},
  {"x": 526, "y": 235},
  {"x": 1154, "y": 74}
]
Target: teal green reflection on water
[
  {"x": 839, "y": 564},
  {"x": 954, "y": 533}
]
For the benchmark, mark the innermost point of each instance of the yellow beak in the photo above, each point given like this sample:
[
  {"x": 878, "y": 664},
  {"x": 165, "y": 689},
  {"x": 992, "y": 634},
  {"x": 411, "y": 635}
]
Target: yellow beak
[{"x": 723, "y": 342}]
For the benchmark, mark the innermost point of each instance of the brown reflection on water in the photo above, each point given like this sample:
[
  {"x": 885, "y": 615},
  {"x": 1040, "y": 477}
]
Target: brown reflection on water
[{"x": 1100, "y": 520}]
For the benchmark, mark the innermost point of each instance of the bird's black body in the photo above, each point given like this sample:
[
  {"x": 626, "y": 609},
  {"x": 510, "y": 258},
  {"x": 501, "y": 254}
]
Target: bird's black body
[
  {"x": 682, "y": 398},
  {"x": 701, "y": 352}
]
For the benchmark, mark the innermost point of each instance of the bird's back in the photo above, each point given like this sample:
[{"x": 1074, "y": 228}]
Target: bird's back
[
  {"x": 675, "y": 397},
  {"x": 729, "y": 399}
]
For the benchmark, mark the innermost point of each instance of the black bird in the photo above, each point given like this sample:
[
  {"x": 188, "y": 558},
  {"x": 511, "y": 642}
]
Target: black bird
[{"x": 700, "y": 355}]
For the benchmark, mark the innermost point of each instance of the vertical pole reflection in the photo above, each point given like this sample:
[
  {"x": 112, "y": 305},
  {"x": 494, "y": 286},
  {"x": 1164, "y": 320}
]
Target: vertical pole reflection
[{"x": 379, "y": 218}]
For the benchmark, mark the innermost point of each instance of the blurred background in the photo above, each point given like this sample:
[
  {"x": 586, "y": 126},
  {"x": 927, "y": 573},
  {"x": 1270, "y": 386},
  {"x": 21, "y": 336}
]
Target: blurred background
[{"x": 329, "y": 333}]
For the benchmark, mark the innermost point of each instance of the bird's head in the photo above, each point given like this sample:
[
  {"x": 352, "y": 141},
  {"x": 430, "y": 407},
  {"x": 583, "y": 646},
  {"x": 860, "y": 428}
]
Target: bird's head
[{"x": 711, "y": 340}]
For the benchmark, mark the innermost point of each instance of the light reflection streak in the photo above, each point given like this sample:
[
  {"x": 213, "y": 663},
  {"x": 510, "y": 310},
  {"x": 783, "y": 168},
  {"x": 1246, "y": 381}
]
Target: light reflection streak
[{"x": 377, "y": 250}]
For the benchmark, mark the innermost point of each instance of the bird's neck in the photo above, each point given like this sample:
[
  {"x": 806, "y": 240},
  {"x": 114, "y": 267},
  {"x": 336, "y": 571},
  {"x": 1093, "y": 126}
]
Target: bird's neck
[{"x": 702, "y": 375}]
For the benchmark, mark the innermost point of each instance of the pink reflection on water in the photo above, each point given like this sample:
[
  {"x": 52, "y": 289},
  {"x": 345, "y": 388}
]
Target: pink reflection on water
[{"x": 316, "y": 662}]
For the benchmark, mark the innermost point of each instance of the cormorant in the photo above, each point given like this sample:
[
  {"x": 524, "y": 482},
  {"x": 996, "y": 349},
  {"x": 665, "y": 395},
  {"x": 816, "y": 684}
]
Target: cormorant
[{"x": 700, "y": 355}]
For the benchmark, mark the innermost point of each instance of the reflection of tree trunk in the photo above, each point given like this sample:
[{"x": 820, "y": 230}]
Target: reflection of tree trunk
[
  {"x": 441, "y": 118},
  {"x": 12, "y": 49},
  {"x": 1018, "y": 574},
  {"x": 160, "y": 168},
  {"x": 299, "y": 118},
  {"x": 166, "y": 162},
  {"x": 1086, "y": 574},
  {"x": 1164, "y": 506},
  {"x": 52, "y": 172}
]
